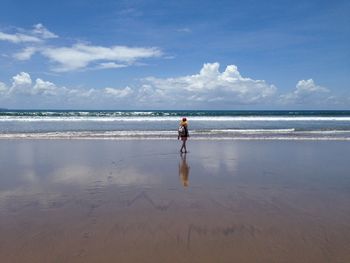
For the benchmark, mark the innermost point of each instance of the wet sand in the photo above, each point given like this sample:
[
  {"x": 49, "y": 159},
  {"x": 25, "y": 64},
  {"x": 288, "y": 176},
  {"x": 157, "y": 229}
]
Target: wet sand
[{"x": 140, "y": 201}]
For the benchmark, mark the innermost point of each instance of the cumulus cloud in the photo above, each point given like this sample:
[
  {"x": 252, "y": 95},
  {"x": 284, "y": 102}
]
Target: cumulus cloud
[
  {"x": 209, "y": 86},
  {"x": 309, "y": 86},
  {"x": 208, "y": 89},
  {"x": 25, "y": 92},
  {"x": 79, "y": 56},
  {"x": 44, "y": 87},
  {"x": 306, "y": 91},
  {"x": 21, "y": 83}
]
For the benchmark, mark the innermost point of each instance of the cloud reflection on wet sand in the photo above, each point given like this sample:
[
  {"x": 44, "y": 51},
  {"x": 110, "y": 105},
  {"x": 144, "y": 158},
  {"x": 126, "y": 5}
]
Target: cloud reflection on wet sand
[{"x": 94, "y": 201}]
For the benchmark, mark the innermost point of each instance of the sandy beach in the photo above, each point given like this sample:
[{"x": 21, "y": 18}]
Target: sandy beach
[{"x": 141, "y": 201}]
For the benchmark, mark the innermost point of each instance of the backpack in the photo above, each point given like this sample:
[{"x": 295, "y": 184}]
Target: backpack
[{"x": 182, "y": 131}]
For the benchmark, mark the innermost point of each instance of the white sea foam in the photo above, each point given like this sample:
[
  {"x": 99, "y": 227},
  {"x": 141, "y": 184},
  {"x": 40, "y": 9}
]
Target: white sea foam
[
  {"x": 252, "y": 131},
  {"x": 270, "y": 138},
  {"x": 226, "y": 134},
  {"x": 146, "y": 118}
]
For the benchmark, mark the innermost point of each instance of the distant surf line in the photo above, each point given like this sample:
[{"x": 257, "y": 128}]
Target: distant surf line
[{"x": 171, "y": 118}]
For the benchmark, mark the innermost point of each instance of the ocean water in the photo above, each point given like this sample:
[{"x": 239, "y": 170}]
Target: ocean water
[{"x": 203, "y": 125}]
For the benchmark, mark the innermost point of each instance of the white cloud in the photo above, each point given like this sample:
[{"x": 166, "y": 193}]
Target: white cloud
[
  {"x": 118, "y": 93},
  {"x": 18, "y": 38},
  {"x": 209, "y": 87},
  {"x": 306, "y": 91},
  {"x": 36, "y": 35},
  {"x": 25, "y": 54},
  {"x": 43, "y": 32},
  {"x": 107, "y": 65},
  {"x": 21, "y": 83},
  {"x": 44, "y": 87},
  {"x": 42, "y": 93},
  {"x": 80, "y": 56},
  {"x": 22, "y": 79},
  {"x": 309, "y": 86}
]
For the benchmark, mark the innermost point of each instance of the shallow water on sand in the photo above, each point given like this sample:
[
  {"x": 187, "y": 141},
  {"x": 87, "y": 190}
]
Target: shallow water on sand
[{"x": 141, "y": 201}]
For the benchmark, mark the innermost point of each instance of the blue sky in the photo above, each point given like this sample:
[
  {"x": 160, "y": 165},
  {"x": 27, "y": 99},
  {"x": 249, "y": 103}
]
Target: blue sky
[{"x": 175, "y": 54}]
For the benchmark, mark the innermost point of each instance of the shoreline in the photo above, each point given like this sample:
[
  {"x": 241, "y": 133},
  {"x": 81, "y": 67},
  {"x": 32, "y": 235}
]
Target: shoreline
[{"x": 55, "y": 137}]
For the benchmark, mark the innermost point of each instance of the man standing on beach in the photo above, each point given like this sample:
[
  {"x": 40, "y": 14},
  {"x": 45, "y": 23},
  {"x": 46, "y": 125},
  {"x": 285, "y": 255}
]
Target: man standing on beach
[{"x": 183, "y": 134}]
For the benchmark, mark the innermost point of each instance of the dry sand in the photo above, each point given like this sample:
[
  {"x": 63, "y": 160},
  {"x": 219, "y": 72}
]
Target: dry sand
[{"x": 140, "y": 201}]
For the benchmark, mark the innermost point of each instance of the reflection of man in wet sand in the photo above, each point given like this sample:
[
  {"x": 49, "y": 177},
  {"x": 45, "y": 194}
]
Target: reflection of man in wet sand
[{"x": 184, "y": 170}]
